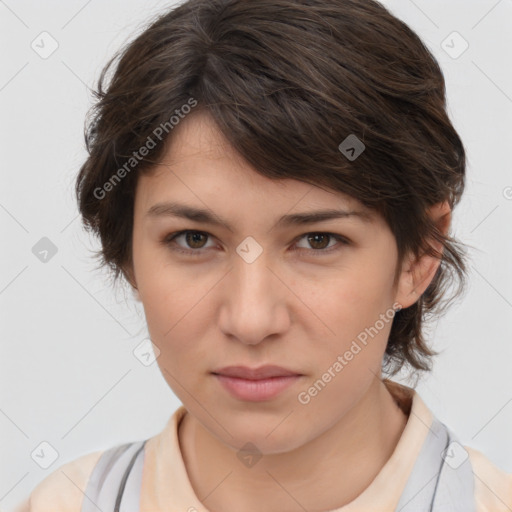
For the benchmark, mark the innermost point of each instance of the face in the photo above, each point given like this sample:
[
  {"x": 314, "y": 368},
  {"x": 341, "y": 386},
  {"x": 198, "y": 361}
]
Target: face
[{"x": 314, "y": 298}]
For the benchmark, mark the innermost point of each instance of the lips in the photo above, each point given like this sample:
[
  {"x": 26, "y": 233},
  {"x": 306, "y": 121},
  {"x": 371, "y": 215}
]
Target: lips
[{"x": 263, "y": 372}]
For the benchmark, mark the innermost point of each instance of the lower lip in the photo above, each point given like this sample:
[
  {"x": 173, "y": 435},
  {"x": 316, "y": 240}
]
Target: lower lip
[{"x": 256, "y": 390}]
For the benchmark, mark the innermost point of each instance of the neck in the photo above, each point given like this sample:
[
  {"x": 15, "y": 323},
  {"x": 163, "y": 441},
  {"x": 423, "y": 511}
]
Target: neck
[{"x": 326, "y": 473}]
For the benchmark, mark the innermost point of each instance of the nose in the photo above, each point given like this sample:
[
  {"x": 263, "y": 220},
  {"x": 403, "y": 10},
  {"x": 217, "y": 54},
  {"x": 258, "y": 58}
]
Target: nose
[{"x": 255, "y": 302}]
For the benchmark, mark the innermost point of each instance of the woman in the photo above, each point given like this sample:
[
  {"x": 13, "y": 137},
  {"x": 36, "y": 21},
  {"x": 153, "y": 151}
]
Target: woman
[{"x": 276, "y": 180}]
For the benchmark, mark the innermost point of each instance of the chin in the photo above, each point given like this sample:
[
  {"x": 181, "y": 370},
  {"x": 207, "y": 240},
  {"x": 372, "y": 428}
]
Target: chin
[{"x": 267, "y": 439}]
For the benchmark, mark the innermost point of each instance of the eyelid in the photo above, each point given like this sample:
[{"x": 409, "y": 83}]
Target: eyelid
[
  {"x": 342, "y": 241},
  {"x": 168, "y": 240}
]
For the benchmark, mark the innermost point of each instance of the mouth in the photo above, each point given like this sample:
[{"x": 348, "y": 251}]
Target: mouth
[
  {"x": 262, "y": 372},
  {"x": 256, "y": 384}
]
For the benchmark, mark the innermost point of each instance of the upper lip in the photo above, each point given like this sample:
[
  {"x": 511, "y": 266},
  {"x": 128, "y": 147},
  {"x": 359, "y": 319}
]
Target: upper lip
[{"x": 263, "y": 372}]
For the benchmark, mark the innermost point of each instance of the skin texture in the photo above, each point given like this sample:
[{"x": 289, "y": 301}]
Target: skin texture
[{"x": 294, "y": 306}]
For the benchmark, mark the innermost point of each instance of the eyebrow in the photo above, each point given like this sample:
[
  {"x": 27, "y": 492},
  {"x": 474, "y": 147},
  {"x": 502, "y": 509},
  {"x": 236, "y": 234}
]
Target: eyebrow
[{"x": 172, "y": 209}]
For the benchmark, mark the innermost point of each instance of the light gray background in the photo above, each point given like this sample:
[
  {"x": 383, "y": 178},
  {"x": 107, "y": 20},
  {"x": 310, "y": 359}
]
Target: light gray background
[{"x": 68, "y": 374}]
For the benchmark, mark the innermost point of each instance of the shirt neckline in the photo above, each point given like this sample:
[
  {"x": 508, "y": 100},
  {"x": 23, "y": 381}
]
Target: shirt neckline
[{"x": 165, "y": 481}]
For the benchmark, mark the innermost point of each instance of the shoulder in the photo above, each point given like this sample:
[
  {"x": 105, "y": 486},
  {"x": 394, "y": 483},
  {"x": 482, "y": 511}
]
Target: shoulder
[
  {"x": 493, "y": 487},
  {"x": 63, "y": 489}
]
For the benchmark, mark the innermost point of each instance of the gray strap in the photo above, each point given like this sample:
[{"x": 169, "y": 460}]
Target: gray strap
[
  {"x": 114, "y": 484},
  {"x": 456, "y": 487},
  {"x": 131, "y": 493},
  {"x": 433, "y": 485}
]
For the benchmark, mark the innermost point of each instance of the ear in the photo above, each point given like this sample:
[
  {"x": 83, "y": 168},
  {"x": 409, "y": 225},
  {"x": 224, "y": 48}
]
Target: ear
[{"x": 417, "y": 273}]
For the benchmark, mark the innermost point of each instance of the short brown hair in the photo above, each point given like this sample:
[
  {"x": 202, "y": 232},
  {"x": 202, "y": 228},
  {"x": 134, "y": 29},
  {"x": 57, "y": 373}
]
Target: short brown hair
[{"x": 286, "y": 81}]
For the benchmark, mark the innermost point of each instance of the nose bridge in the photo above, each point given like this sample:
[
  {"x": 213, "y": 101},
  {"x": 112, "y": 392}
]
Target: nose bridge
[
  {"x": 254, "y": 306},
  {"x": 251, "y": 270},
  {"x": 253, "y": 278}
]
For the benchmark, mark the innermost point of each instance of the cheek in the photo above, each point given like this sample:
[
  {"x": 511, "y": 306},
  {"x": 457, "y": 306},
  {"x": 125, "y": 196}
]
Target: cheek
[
  {"x": 347, "y": 309},
  {"x": 174, "y": 324},
  {"x": 177, "y": 314},
  {"x": 356, "y": 296},
  {"x": 172, "y": 312},
  {"x": 164, "y": 290},
  {"x": 167, "y": 297},
  {"x": 350, "y": 353}
]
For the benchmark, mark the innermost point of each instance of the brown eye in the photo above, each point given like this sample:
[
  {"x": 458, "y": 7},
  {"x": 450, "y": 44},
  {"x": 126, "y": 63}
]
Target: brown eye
[
  {"x": 319, "y": 243},
  {"x": 318, "y": 240},
  {"x": 193, "y": 239},
  {"x": 194, "y": 242},
  {"x": 322, "y": 243}
]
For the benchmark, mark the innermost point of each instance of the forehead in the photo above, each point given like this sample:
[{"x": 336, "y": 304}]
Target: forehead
[{"x": 200, "y": 166}]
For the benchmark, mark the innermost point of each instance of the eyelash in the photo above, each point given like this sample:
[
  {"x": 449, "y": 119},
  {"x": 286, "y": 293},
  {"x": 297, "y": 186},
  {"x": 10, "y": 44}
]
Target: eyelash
[{"x": 169, "y": 239}]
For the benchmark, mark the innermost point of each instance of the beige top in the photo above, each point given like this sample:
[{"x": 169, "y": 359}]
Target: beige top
[{"x": 166, "y": 486}]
